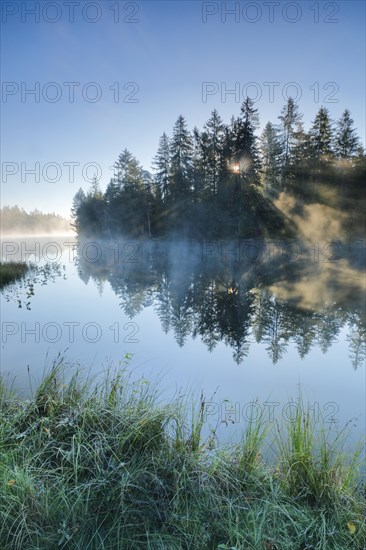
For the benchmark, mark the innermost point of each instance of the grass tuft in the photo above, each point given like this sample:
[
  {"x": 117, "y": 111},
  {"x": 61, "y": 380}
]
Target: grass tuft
[
  {"x": 104, "y": 465},
  {"x": 11, "y": 272}
]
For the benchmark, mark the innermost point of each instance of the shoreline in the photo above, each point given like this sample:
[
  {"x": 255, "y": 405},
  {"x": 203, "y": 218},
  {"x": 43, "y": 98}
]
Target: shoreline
[{"x": 84, "y": 462}]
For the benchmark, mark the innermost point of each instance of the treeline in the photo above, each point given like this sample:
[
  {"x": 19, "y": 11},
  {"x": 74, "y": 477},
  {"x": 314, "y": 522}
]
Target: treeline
[
  {"x": 222, "y": 180},
  {"x": 17, "y": 220}
]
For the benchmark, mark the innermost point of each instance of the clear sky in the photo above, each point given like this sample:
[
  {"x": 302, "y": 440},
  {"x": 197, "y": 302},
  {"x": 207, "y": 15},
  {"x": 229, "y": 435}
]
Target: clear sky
[{"x": 111, "y": 75}]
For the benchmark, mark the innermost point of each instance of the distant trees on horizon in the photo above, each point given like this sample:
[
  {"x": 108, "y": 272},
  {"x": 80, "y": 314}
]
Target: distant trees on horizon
[
  {"x": 15, "y": 219},
  {"x": 221, "y": 180}
]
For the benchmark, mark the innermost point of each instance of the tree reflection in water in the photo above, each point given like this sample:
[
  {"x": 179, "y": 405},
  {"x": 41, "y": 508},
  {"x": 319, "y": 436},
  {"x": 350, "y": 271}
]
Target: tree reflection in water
[{"x": 214, "y": 292}]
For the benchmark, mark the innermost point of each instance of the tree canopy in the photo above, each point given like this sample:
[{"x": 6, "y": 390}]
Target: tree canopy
[{"x": 221, "y": 180}]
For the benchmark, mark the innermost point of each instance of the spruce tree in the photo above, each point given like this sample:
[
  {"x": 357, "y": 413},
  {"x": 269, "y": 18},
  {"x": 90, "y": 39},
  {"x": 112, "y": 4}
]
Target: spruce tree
[
  {"x": 161, "y": 165},
  {"x": 246, "y": 154},
  {"x": 214, "y": 130},
  {"x": 77, "y": 204},
  {"x": 94, "y": 190},
  {"x": 290, "y": 118},
  {"x": 121, "y": 168},
  {"x": 181, "y": 160},
  {"x": 321, "y": 134},
  {"x": 199, "y": 165},
  {"x": 301, "y": 157},
  {"x": 127, "y": 197},
  {"x": 271, "y": 152},
  {"x": 346, "y": 141}
]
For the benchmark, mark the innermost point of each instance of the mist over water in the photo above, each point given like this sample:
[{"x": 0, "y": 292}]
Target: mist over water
[
  {"x": 17, "y": 223},
  {"x": 241, "y": 319}
]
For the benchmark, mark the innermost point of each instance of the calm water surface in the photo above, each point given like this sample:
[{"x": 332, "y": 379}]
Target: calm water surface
[{"x": 240, "y": 321}]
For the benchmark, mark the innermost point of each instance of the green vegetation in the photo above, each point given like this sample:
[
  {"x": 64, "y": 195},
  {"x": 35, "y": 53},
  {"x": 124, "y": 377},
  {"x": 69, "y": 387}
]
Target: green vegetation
[
  {"x": 106, "y": 466},
  {"x": 11, "y": 272},
  {"x": 224, "y": 181}
]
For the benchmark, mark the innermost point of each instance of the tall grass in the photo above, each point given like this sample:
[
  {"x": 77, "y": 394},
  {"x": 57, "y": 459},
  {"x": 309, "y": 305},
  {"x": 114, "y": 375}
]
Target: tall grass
[
  {"x": 103, "y": 465},
  {"x": 312, "y": 462}
]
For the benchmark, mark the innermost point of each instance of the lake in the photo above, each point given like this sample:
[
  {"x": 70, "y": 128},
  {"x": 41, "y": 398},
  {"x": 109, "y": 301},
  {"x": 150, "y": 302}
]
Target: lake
[{"x": 248, "y": 323}]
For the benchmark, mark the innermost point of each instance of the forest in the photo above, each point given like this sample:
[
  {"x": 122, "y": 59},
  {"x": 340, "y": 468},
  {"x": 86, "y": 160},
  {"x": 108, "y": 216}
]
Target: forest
[
  {"x": 226, "y": 181},
  {"x": 15, "y": 220}
]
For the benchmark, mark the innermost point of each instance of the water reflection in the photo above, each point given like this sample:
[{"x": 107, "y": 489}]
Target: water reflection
[
  {"x": 22, "y": 291},
  {"x": 240, "y": 293}
]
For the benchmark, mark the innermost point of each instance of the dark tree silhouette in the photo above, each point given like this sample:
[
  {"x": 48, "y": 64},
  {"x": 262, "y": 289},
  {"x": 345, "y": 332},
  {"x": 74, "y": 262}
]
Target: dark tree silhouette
[{"x": 222, "y": 182}]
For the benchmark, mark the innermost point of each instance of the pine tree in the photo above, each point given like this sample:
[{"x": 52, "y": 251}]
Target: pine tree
[
  {"x": 214, "y": 130},
  {"x": 161, "y": 166},
  {"x": 246, "y": 154},
  {"x": 150, "y": 199},
  {"x": 181, "y": 160},
  {"x": 346, "y": 142},
  {"x": 88, "y": 210},
  {"x": 121, "y": 168},
  {"x": 290, "y": 118},
  {"x": 77, "y": 202},
  {"x": 227, "y": 154},
  {"x": 94, "y": 190},
  {"x": 135, "y": 176},
  {"x": 199, "y": 165},
  {"x": 76, "y": 209},
  {"x": 321, "y": 134},
  {"x": 127, "y": 197},
  {"x": 301, "y": 156},
  {"x": 271, "y": 152}
]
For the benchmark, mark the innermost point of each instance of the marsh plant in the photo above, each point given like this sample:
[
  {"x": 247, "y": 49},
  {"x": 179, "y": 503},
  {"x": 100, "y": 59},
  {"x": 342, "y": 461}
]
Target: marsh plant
[{"x": 106, "y": 464}]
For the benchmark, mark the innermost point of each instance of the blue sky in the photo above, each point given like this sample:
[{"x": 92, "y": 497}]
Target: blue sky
[{"x": 158, "y": 54}]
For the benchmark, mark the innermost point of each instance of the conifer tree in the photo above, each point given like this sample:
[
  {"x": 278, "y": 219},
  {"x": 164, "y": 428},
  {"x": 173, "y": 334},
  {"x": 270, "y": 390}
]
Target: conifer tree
[
  {"x": 321, "y": 134},
  {"x": 77, "y": 202},
  {"x": 346, "y": 141},
  {"x": 161, "y": 164},
  {"x": 94, "y": 190},
  {"x": 271, "y": 152},
  {"x": 246, "y": 154},
  {"x": 127, "y": 197},
  {"x": 290, "y": 118},
  {"x": 214, "y": 130},
  {"x": 199, "y": 165},
  {"x": 181, "y": 160},
  {"x": 121, "y": 168}
]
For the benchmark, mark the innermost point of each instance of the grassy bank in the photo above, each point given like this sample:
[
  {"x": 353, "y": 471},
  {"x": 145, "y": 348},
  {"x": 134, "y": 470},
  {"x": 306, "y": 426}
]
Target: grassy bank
[
  {"x": 108, "y": 467},
  {"x": 11, "y": 272}
]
